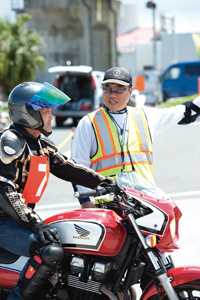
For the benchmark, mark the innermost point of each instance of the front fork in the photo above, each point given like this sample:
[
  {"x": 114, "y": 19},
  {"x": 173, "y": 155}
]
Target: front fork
[{"x": 160, "y": 268}]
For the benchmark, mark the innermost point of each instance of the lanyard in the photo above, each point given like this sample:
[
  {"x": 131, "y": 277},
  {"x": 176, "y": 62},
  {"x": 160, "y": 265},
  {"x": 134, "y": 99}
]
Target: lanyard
[{"x": 122, "y": 134}]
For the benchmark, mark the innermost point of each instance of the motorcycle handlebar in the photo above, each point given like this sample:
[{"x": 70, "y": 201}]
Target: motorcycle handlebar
[{"x": 97, "y": 192}]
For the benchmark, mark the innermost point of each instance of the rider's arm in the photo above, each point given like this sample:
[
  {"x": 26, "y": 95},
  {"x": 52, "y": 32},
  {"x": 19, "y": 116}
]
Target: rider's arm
[
  {"x": 12, "y": 172},
  {"x": 66, "y": 169}
]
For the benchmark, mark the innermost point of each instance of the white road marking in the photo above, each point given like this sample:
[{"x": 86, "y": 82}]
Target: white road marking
[
  {"x": 184, "y": 194},
  {"x": 75, "y": 204},
  {"x": 48, "y": 206}
]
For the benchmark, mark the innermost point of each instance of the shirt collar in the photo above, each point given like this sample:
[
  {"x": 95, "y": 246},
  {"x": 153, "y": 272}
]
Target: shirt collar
[
  {"x": 122, "y": 111},
  {"x": 21, "y": 130}
]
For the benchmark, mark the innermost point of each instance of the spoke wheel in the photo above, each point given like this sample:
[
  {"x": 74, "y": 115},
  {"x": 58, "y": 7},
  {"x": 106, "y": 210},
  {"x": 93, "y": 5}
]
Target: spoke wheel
[{"x": 186, "y": 292}]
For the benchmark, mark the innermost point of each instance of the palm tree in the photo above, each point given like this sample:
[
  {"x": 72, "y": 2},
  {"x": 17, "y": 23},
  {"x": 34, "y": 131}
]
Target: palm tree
[{"x": 19, "y": 53}]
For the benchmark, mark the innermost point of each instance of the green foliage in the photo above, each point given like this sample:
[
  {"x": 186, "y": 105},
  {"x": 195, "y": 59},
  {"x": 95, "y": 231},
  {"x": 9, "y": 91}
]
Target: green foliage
[
  {"x": 19, "y": 53},
  {"x": 176, "y": 101}
]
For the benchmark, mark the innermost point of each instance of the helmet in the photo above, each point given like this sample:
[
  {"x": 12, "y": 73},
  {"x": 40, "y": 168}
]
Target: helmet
[{"x": 27, "y": 99}]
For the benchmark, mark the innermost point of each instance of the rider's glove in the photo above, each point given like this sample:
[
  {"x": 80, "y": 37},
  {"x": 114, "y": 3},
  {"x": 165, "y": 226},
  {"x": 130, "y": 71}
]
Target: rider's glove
[
  {"x": 106, "y": 181},
  {"x": 47, "y": 232}
]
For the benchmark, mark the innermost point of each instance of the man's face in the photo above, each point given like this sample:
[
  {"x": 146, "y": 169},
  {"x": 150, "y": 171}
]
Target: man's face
[
  {"x": 47, "y": 117},
  {"x": 114, "y": 101}
]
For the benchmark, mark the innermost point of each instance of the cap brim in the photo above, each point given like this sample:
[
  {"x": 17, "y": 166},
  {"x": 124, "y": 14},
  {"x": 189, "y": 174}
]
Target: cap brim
[{"x": 116, "y": 81}]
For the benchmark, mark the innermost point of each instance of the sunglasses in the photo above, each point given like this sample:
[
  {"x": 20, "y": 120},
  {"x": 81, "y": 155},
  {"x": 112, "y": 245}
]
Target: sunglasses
[{"x": 118, "y": 91}]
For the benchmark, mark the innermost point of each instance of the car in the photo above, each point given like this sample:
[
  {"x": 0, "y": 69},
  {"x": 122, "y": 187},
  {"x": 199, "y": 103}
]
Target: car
[
  {"x": 83, "y": 85},
  {"x": 181, "y": 79},
  {"x": 148, "y": 84}
]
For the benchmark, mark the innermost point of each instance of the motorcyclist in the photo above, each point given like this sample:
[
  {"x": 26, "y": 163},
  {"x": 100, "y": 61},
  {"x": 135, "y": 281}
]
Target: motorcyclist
[{"x": 27, "y": 158}]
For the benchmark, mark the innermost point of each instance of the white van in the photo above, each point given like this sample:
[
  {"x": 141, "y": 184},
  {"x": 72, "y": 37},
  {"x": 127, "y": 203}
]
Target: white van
[{"x": 83, "y": 85}]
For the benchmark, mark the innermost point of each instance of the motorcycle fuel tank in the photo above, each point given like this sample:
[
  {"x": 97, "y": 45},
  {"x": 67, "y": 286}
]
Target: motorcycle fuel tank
[{"x": 90, "y": 231}]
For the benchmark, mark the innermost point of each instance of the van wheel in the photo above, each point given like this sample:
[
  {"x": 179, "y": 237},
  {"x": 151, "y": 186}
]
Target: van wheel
[
  {"x": 59, "y": 121},
  {"x": 165, "y": 97}
]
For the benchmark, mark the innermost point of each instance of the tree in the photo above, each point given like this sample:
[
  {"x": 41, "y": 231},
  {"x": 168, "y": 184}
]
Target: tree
[
  {"x": 196, "y": 40},
  {"x": 19, "y": 53}
]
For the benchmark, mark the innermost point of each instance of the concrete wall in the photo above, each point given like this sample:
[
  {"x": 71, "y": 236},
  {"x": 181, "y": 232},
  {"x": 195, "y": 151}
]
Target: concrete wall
[{"x": 73, "y": 31}]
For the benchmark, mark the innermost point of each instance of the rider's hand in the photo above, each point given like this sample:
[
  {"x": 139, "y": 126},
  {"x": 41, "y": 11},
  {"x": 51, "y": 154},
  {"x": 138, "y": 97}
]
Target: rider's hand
[
  {"x": 47, "y": 232},
  {"x": 106, "y": 181},
  {"x": 87, "y": 204}
]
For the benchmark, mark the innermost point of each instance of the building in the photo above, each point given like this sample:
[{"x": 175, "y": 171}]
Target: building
[
  {"x": 78, "y": 31},
  {"x": 135, "y": 49},
  {"x": 103, "y": 34},
  {"x": 136, "y": 45}
]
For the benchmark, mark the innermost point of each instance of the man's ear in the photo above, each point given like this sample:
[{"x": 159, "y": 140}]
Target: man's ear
[{"x": 131, "y": 90}]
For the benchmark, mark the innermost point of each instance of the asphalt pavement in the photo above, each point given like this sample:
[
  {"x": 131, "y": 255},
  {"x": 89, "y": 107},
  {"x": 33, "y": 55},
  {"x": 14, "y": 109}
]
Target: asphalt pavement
[{"x": 176, "y": 165}]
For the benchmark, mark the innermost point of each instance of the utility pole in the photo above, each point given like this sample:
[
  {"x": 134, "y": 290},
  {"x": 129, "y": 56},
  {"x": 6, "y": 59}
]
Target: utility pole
[
  {"x": 152, "y": 5},
  {"x": 168, "y": 27}
]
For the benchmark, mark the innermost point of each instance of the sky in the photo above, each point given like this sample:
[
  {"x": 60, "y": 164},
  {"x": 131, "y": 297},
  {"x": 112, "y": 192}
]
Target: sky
[
  {"x": 186, "y": 13},
  {"x": 5, "y": 10}
]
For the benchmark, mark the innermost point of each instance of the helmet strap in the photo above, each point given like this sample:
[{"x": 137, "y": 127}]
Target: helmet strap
[{"x": 41, "y": 129}]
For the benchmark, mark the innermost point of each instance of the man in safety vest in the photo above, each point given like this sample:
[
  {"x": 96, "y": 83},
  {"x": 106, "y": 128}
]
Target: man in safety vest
[
  {"x": 27, "y": 158},
  {"x": 118, "y": 137}
]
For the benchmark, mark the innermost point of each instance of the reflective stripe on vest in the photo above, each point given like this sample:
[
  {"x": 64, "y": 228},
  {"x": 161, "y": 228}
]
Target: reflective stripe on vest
[{"x": 107, "y": 159}]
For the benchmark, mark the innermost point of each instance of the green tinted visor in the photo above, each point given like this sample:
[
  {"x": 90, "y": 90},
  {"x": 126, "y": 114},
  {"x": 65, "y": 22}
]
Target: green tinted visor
[{"x": 48, "y": 97}]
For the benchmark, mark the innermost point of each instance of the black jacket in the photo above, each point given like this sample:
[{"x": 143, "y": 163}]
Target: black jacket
[{"x": 14, "y": 169}]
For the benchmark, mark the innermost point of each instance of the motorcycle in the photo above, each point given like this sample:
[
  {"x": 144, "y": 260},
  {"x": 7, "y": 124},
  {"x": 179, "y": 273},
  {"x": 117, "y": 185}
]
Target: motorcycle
[{"x": 110, "y": 249}]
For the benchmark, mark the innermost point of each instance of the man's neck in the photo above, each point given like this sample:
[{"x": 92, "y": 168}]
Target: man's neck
[
  {"x": 121, "y": 111},
  {"x": 34, "y": 132}
]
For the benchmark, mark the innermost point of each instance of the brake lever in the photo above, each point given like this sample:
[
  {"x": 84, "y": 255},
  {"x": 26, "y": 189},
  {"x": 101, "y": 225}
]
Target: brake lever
[
  {"x": 113, "y": 188},
  {"x": 107, "y": 197}
]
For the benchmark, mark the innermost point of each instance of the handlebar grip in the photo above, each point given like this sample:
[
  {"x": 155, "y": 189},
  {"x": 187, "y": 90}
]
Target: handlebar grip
[
  {"x": 85, "y": 194},
  {"x": 96, "y": 192}
]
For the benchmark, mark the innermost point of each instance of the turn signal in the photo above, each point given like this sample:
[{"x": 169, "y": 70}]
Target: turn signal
[
  {"x": 173, "y": 228},
  {"x": 151, "y": 240}
]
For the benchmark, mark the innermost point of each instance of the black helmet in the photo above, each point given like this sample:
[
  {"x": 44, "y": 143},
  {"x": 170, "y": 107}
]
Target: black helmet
[{"x": 27, "y": 99}]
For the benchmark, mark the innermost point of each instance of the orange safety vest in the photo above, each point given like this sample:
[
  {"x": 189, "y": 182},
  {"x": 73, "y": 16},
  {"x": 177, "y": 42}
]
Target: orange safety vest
[{"x": 137, "y": 151}]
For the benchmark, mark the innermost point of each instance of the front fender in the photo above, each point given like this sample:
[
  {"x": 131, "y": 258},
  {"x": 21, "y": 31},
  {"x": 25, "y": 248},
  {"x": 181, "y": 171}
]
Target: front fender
[{"x": 180, "y": 276}]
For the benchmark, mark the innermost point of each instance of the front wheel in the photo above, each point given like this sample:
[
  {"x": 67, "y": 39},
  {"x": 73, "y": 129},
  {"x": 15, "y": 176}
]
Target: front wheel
[{"x": 187, "y": 291}]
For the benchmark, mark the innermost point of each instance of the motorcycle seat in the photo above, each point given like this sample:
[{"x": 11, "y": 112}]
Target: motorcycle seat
[{"x": 7, "y": 257}]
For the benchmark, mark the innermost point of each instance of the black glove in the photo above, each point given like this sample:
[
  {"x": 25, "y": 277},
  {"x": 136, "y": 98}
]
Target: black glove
[
  {"x": 106, "y": 181},
  {"x": 47, "y": 232}
]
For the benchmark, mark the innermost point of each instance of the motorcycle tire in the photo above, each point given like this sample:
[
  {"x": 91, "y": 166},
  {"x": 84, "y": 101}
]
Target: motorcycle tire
[{"x": 187, "y": 291}]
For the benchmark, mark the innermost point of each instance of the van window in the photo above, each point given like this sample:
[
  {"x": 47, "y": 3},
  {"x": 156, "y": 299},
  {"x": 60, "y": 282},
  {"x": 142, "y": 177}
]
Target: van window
[
  {"x": 172, "y": 73},
  {"x": 76, "y": 87},
  {"x": 192, "y": 70}
]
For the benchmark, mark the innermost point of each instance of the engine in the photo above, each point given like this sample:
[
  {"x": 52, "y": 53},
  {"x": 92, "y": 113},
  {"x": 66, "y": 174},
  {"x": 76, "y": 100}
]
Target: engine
[{"x": 85, "y": 276}]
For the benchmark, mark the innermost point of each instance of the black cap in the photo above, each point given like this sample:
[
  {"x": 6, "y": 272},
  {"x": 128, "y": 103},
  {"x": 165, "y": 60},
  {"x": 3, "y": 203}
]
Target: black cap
[{"x": 117, "y": 75}]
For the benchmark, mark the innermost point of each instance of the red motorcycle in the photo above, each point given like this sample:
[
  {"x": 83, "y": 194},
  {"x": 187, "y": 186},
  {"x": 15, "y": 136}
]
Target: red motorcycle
[{"x": 111, "y": 248}]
